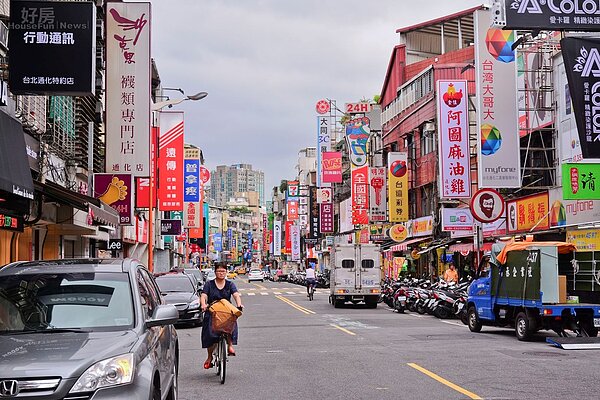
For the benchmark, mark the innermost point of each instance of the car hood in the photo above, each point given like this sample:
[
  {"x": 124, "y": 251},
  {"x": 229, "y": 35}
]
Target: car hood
[
  {"x": 59, "y": 354},
  {"x": 179, "y": 297}
]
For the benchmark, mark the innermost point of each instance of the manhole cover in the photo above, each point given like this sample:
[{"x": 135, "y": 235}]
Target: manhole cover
[{"x": 543, "y": 354}]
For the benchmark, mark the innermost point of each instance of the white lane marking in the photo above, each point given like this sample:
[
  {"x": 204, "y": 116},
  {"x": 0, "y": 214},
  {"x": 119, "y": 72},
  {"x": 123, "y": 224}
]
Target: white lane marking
[
  {"x": 264, "y": 293},
  {"x": 251, "y": 294},
  {"x": 276, "y": 292},
  {"x": 455, "y": 323},
  {"x": 290, "y": 292}
]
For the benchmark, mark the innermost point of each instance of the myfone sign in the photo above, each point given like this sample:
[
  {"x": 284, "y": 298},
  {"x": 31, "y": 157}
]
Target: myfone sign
[{"x": 571, "y": 15}]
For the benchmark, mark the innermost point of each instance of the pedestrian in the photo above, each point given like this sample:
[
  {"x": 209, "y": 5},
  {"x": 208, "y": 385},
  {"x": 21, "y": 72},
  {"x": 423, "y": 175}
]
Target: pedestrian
[
  {"x": 278, "y": 274},
  {"x": 451, "y": 275}
]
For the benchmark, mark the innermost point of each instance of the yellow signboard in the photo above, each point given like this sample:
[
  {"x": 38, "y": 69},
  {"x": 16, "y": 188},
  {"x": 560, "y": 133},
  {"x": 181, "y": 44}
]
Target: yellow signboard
[
  {"x": 584, "y": 239},
  {"x": 528, "y": 213},
  {"x": 398, "y": 186}
]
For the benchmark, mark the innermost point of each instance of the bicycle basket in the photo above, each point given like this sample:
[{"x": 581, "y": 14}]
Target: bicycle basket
[{"x": 223, "y": 322}]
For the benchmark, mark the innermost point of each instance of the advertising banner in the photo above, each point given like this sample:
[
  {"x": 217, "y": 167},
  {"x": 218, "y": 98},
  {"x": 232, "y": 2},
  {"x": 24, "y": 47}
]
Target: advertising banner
[
  {"x": 456, "y": 219},
  {"x": 332, "y": 167},
  {"x": 499, "y": 163},
  {"x": 295, "y": 239},
  {"x": 192, "y": 214},
  {"x": 579, "y": 181},
  {"x": 229, "y": 239},
  {"x": 292, "y": 210},
  {"x": 398, "y": 187},
  {"x": 530, "y": 213},
  {"x": 43, "y": 35},
  {"x": 357, "y": 136},
  {"x": 584, "y": 239},
  {"x": 170, "y": 162},
  {"x": 218, "y": 241},
  {"x": 378, "y": 194},
  {"x": 360, "y": 195},
  {"x": 276, "y": 238},
  {"x": 582, "y": 65},
  {"x": 314, "y": 220},
  {"x": 191, "y": 180},
  {"x": 421, "y": 226},
  {"x": 170, "y": 227},
  {"x": 127, "y": 88},
  {"x": 116, "y": 191},
  {"x": 288, "y": 236},
  {"x": 346, "y": 216},
  {"x": 453, "y": 128},
  {"x": 572, "y": 212},
  {"x": 326, "y": 218},
  {"x": 552, "y": 15},
  {"x": 323, "y": 143}
]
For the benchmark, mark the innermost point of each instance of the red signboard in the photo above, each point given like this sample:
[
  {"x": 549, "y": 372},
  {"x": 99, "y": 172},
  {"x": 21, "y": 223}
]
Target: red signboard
[
  {"x": 332, "y": 167},
  {"x": 288, "y": 237},
  {"x": 326, "y": 220},
  {"x": 292, "y": 210},
  {"x": 170, "y": 162},
  {"x": 360, "y": 195}
]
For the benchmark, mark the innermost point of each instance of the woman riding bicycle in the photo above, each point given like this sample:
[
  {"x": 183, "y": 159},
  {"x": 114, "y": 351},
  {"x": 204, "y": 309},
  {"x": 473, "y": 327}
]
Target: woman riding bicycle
[
  {"x": 214, "y": 290},
  {"x": 311, "y": 277}
]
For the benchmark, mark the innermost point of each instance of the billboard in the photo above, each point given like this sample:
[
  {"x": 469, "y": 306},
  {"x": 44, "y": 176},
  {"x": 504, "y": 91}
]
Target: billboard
[
  {"x": 528, "y": 214},
  {"x": 332, "y": 167},
  {"x": 377, "y": 194},
  {"x": 357, "y": 136},
  {"x": 116, "y": 191},
  {"x": 360, "y": 195},
  {"x": 579, "y": 181},
  {"x": 398, "y": 187},
  {"x": 568, "y": 15},
  {"x": 170, "y": 161},
  {"x": 457, "y": 219}
]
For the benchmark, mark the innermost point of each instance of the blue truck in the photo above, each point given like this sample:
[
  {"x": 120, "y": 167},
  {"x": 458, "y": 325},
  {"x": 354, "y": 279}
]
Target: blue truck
[{"x": 523, "y": 290}]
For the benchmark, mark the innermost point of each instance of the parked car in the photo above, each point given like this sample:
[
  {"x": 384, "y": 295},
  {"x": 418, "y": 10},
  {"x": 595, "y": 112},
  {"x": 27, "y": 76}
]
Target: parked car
[
  {"x": 208, "y": 274},
  {"x": 86, "y": 328},
  {"x": 196, "y": 273},
  {"x": 255, "y": 275},
  {"x": 182, "y": 290}
]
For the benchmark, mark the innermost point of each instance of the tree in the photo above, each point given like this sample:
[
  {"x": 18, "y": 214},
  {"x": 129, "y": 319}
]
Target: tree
[{"x": 283, "y": 186}]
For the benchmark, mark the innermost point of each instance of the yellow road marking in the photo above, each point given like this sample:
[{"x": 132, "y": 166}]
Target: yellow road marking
[
  {"x": 259, "y": 286},
  {"x": 296, "y": 306},
  {"x": 343, "y": 329},
  {"x": 438, "y": 378}
]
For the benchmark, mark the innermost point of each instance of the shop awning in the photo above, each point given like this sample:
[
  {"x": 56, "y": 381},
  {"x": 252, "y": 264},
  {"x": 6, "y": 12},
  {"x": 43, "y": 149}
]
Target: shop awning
[
  {"x": 437, "y": 244},
  {"x": 15, "y": 175},
  {"x": 65, "y": 196},
  {"x": 105, "y": 215},
  {"x": 404, "y": 245},
  {"x": 461, "y": 247}
]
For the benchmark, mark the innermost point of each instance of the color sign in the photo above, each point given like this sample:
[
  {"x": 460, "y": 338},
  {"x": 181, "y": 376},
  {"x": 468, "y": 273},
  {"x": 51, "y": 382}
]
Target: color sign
[
  {"x": 295, "y": 242},
  {"x": 572, "y": 212},
  {"x": 360, "y": 195},
  {"x": 551, "y": 15},
  {"x": 332, "y": 167},
  {"x": 528, "y": 213},
  {"x": 457, "y": 219},
  {"x": 326, "y": 218},
  {"x": 170, "y": 162},
  {"x": 453, "y": 127},
  {"x": 398, "y": 233},
  {"x": 170, "y": 227},
  {"x": 487, "y": 205},
  {"x": 277, "y": 238},
  {"x": 579, "y": 181},
  {"x": 377, "y": 194},
  {"x": 192, "y": 214},
  {"x": 421, "y": 226},
  {"x": 584, "y": 239},
  {"x": 218, "y": 241},
  {"x": 398, "y": 187},
  {"x": 323, "y": 144},
  {"x": 499, "y": 163},
  {"x": 313, "y": 214},
  {"x": 115, "y": 190},
  {"x": 357, "y": 136},
  {"x": 191, "y": 180},
  {"x": 11, "y": 222}
]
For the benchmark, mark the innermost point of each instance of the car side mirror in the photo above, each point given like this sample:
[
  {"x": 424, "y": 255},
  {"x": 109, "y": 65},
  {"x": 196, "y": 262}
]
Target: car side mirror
[{"x": 165, "y": 314}]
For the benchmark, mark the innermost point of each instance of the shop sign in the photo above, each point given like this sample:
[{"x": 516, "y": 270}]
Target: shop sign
[
  {"x": 115, "y": 190},
  {"x": 421, "y": 226},
  {"x": 357, "y": 136},
  {"x": 142, "y": 231},
  {"x": 322, "y": 106},
  {"x": 326, "y": 218},
  {"x": 295, "y": 239},
  {"x": 457, "y": 219},
  {"x": 579, "y": 181},
  {"x": 487, "y": 205},
  {"x": 378, "y": 232},
  {"x": 293, "y": 189},
  {"x": 332, "y": 167},
  {"x": 323, "y": 144},
  {"x": 528, "y": 213},
  {"x": 453, "y": 127},
  {"x": 398, "y": 187},
  {"x": 572, "y": 212},
  {"x": 288, "y": 236},
  {"x": 192, "y": 214},
  {"x": 346, "y": 216},
  {"x": 115, "y": 244},
  {"x": 377, "y": 194},
  {"x": 218, "y": 241},
  {"x": 324, "y": 195},
  {"x": 170, "y": 162},
  {"x": 358, "y": 108},
  {"x": 170, "y": 227},
  {"x": 496, "y": 228},
  {"x": 292, "y": 210},
  {"x": 276, "y": 238},
  {"x": 360, "y": 195},
  {"x": 584, "y": 239},
  {"x": 11, "y": 222},
  {"x": 552, "y": 15},
  {"x": 398, "y": 233}
]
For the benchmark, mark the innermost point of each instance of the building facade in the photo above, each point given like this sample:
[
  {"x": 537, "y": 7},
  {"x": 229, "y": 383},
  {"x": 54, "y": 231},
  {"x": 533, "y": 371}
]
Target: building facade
[{"x": 226, "y": 181}]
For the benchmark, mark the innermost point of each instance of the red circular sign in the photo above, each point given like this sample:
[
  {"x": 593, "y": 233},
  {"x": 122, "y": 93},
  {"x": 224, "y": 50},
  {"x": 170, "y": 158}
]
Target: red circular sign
[
  {"x": 204, "y": 175},
  {"x": 322, "y": 107},
  {"x": 487, "y": 205}
]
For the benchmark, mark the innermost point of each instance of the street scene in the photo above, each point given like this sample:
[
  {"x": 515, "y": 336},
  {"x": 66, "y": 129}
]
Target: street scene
[{"x": 280, "y": 200}]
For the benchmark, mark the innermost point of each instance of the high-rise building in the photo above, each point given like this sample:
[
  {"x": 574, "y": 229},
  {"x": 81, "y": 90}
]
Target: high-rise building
[{"x": 226, "y": 181}]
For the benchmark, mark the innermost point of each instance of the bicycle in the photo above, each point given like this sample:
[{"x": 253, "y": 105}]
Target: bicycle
[
  {"x": 311, "y": 290},
  {"x": 220, "y": 354}
]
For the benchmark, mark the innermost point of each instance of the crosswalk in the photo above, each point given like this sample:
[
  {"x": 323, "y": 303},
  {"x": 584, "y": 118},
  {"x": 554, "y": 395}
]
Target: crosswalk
[{"x": 278, "y": 291}]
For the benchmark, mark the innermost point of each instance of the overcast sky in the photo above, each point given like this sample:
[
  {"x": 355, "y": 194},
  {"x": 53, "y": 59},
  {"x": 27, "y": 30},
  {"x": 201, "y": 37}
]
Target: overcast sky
[{"x": 265, "y": 63}]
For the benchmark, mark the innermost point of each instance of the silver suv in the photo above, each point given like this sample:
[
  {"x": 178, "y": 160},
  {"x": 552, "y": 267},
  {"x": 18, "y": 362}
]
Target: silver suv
[{"x": 83, "y": 329}]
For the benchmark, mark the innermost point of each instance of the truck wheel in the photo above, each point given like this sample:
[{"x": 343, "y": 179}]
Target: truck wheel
[
  {"x": 337, "y": 303},
  {"x": 371, "y": 303},
  {"x": 473, "y": 319},
  {"x": 523, "y": 327}
]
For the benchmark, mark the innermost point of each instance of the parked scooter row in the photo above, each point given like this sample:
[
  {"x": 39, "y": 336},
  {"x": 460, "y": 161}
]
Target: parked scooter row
[{"x": 440, "y": 299}]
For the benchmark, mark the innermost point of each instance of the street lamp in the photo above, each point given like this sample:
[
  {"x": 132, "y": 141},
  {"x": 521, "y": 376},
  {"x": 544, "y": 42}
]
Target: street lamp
[{"x": 157, "y": 107}]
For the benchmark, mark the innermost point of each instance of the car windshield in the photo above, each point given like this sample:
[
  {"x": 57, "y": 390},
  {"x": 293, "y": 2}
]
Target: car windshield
[
  {"x": 49, "y": 301},
  {"x": 175, "y": 284}
]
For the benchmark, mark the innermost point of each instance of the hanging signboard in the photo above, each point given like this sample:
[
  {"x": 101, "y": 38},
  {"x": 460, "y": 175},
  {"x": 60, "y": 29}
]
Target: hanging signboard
[
  {"x": 276, "y": 238},
  {"x": 360, "y": 195},
  {"x": 313, "y": 215},
  {"x": 552, "y": 15},
  {"x": 170, "y": 227},
  {"x": 115, "y": 190},
  {"x": 528, "y": 214},
  {"x": 377, "y": 194},
  {"x": 357, "y": 136},
  {"x": 332, "y": 167},
  {"x": 326, "y": 218},
  {"x": 579, "y": 181},
  {"x": 323, "y": 143},
  {"x": 456, "y": 219},
  {"x": 170, "y": 162},
  {"x": 398, "y": 187},
  {"x": 453, "y": 128},
  {"x": 584, "y": 239},
  {"x": 487, "y": 205},
  {"x": 295, "y": 242}
]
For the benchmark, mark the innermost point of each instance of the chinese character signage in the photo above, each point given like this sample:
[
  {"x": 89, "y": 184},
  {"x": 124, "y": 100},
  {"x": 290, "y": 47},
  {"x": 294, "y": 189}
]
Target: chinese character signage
[
  {"x": 192, "y": 214},
  {"x": 11, "y": 222},
  {"x": 457, "y": 219},
  {"x": 552, "y": 15},
  {"x": 191, "y": 180},
  {"x": 292, "y": 210},
  {"x": 345, "y": 224},
  {"x": 499, "y": 163},
  {"x": 357, "y": 136},
  {"x": 288, "y": 236},
  {"x": 218, "y": 241},
  {"x": 527, "y": 214},
  {"x": 115, "y": 190},
  {"x": 128, "y": 88},
  {"x": 421, "y": 226},
  {"x": 295, "y": 242},
  {"x": 170, "y": 162},
  {"x": 313, "y": 214},
  {"x": 582, "y": 65},
  {"x": 170, "y": 227},
  {"x": 52, "y": 48},
  {"x": 323, "y": 144},
  {"x": 584, "y": 239},
  {"x": 579, "y": 181},
  {"x": 377, "y": 194},
  {"x": 360, "y": 195},
  {"x": 276, "y": 238},
  {"x": 453, "y": 127},
  {"x": 332, "y": 167},
  {"x": 326, "y": 218},
  {"x": 398, "y": 187}
]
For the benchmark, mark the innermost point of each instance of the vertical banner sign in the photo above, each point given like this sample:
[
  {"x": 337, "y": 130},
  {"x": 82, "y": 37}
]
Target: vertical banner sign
[
  {"x": 191, "y": 193},
  {"x": 323, "y": 144},
  {"x": 582, "y": 64},
  {"x": 292, "y": 210},
  {"x": 230, "y": 239},
  {"x": 499, "y": 160},
  {"x": 332, "y": 167},
  {"x": 326, "y": 218},
  {"x": 360, "y": 195},
  {"x": 265, "y": 234},
  {"x": 357, "y": 137},
  {"x": 313, "y": 214},
  {"x": 170, "y": 162},
  {"x": 128, "y": 88},
  {"x": 277, "y": 238},
  {"x": 116, "y": 191},
  {"x": 295, "y": 234},
  {"x": 453, "y": 128},
  {"x": 377, "y": 197},
  {"x": 398, "y": 187},
  {"x": 218, "y": 241},
  {"x": 288, "y": 236}
]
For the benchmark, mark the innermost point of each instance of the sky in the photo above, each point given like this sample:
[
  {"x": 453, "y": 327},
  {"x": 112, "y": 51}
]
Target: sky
[{"x": 265, "y": 64}]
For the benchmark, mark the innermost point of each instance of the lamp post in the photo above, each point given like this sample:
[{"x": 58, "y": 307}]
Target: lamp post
[{"x": 155, "y": 107}]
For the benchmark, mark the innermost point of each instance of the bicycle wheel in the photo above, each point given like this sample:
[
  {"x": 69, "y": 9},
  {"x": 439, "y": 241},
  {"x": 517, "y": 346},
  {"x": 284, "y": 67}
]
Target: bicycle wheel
[
  {"x": 223, "y": 358},
  {"x": 217, "y": 356},
  {"x": 311, "y": 292}
]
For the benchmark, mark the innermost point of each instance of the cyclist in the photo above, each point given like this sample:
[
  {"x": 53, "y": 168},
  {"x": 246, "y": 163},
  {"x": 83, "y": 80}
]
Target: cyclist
[
  {"x": 311, "y": 277},
  {"x": 214, "y": 290}
]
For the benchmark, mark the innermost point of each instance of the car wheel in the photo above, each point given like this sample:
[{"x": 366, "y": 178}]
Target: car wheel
[
  {"x": 174, "y": 389},
  {"x": 523, "y": 327}
]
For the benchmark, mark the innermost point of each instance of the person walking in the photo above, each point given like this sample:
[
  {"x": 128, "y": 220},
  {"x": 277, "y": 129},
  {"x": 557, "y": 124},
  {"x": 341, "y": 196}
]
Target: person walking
[{"x": 214, "y": 290}]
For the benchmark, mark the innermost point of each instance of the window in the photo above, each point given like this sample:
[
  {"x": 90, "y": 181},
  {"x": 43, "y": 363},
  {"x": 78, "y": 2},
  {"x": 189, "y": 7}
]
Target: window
[
  {"x": 368, "y": 264},
  {"x": 349, "y": 264},
  {"x": 147, "y": 300},
  {"x": 427, "y": 142},
  {"x": 427, "y": 200}
]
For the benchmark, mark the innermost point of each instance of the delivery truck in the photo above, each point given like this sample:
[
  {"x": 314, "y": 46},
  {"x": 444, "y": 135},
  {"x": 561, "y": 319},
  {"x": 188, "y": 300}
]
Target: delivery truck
[
  {"x": 523, "y": 290},
  {"x": 355, "y": 271}
]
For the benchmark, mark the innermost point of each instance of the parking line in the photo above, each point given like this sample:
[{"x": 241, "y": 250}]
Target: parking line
[
  {"x": 296, "y": 306},
  {"x": 343, "y": 329},
  {"x": 438, "y": 378}
]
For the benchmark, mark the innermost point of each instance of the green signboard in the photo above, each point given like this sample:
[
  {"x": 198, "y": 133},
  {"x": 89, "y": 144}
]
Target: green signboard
[
  {"x": 519, "y": 278},
  {"x": 579, "y": 181}
]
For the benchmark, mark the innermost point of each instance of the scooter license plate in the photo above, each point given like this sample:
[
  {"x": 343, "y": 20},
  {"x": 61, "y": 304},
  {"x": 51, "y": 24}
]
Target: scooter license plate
[
  {"x": 402, "y": 298},
  {"x": 596, "y": 322}
]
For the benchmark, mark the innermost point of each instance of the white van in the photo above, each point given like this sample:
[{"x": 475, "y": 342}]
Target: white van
[{"x": 355, "y": 272}]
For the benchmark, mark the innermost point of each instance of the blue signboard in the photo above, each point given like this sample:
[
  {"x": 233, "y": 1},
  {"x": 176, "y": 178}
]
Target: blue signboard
[
  {"x": 229, "y": 238},
  {"x": 191, "y": 180},
  {"x": 218, "y": 241}
]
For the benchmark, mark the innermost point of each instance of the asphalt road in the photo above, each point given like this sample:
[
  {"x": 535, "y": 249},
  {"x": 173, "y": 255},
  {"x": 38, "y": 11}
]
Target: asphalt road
[{"x": 291, "y": 348}]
